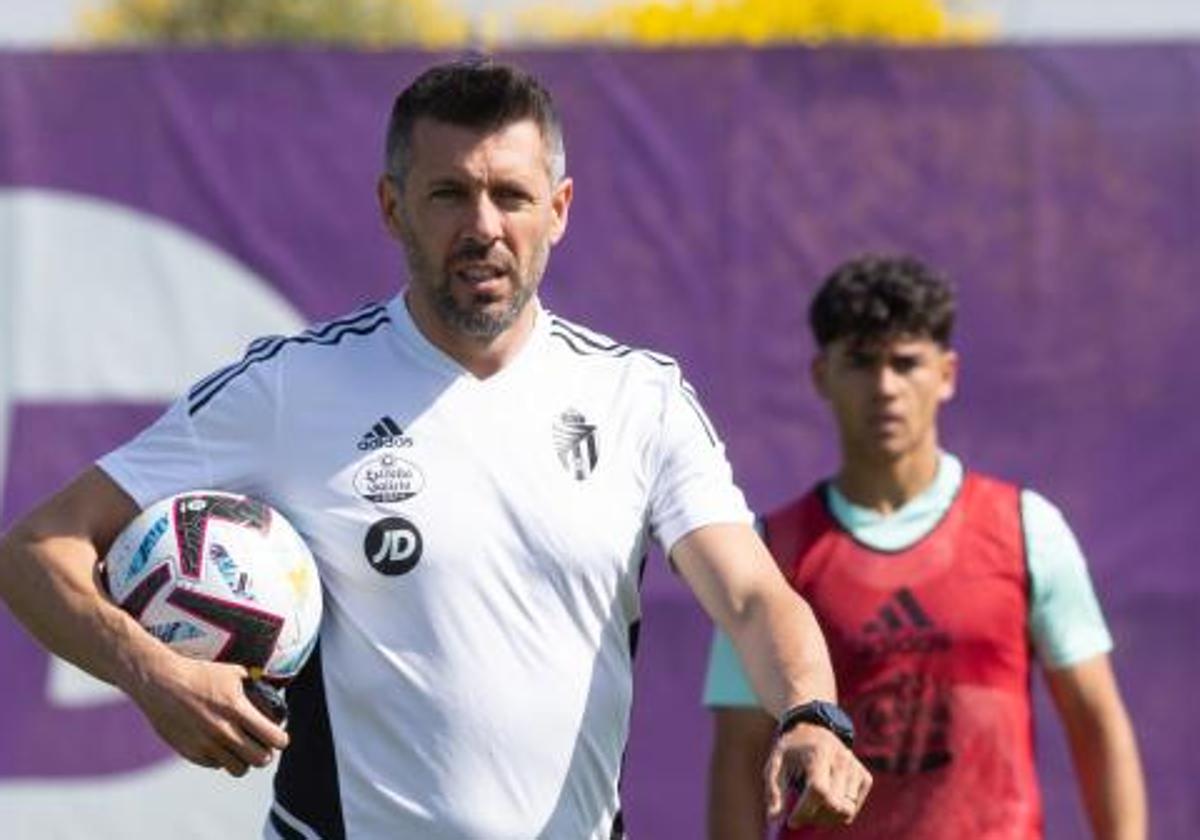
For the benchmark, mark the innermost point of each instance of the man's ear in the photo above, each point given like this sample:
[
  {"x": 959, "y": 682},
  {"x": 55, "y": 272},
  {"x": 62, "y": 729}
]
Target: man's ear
[
  {"x": 949, "y": 374},
  {"x": 560, "y": 204},
  {"x": 388, "y": 195}
]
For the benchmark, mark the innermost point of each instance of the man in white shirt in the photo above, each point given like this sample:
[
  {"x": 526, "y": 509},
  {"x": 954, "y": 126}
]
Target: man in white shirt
[{"x": 479, "y": 481}]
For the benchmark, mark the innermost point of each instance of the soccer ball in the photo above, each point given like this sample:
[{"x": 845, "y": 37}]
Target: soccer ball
[{"x": 220, "y": 577}]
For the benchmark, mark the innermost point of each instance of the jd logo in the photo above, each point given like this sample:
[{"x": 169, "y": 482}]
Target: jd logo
[{"x": 393, "y": 546}]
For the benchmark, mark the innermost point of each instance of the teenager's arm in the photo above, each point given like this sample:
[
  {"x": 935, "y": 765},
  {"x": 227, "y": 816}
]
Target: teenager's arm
[{"x": 1103, "y": 748}]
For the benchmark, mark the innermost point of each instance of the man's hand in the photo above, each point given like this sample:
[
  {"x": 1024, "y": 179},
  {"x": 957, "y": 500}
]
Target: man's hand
[
  {"x": 201, "y": 710},
  {"x": 831, "y": 783}
]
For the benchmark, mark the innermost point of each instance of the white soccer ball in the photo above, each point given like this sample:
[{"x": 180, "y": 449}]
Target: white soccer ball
[{"x": 220, "y": 577}]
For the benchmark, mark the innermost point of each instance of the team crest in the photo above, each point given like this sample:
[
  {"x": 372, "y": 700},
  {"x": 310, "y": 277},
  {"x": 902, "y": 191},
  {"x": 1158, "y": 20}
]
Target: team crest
[{"x": 575, "y": 443}]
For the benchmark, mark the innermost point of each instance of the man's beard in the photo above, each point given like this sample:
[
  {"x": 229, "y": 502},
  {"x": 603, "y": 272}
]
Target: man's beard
[
  {"x": 475, "y": 323},
  {"x": 478, "y": 323}
]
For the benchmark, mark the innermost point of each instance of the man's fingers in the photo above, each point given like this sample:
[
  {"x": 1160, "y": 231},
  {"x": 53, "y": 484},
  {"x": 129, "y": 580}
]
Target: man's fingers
[
  {"x": 831, "y": 783},
  {"x": 775, "y": 781},
  {"x": 855, "y": 787},
  {"x": 201, "y": 759},
  {"x": 859, "y": 790},
  {"x": 215, "y": 756},
  {"x": 835, "y": 783},
  {"x": 815, "y": 809},
  {"x": 260, "y": 728},
  {"x": 804, "y": 810},
  {"x": 266, "y": 733},
  {"x": 229, "y": 761},
  {"x": 230, "y": 748},
  {"x": 815, "y": 793}
]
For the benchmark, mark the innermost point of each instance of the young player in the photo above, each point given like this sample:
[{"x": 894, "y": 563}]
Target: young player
[{"x": 931, "y": 582}]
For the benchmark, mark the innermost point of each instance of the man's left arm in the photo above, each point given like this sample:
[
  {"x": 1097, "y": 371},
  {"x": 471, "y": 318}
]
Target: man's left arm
[
  {"x": 1103, "y": 747},
  {"x": 784, "y": 653}
]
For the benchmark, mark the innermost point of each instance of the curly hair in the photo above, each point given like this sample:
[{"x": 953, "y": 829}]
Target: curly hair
[
  {"x": 876, "y": 297},
  {"x": 475, "y": 92}
]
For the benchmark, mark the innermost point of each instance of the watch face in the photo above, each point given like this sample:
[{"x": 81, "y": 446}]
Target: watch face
[
  {"x": 838, "y": 717},
  {"x": 828, "y": 715}
]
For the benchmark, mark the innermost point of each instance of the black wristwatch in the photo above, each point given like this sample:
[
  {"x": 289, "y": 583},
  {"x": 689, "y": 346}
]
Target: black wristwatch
[{"x": 820, "y": 713}]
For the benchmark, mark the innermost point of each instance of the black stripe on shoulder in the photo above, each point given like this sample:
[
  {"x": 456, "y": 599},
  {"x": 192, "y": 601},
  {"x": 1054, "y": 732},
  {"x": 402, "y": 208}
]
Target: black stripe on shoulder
[
  {"x": 590, "y": 340},
  {"x": 265, "y": 345},
  {"x": 583, "y": 349},
  {"x": 363, "y": 313},
  {"x": 327, "y": 335},
  {"x": 259, "y": 343},
  {"x": 259, "y": 348},
  {"x": 659, "y": 359},
  {"x": 587, "y": 345},
  {"x": 690, "y": 397},
  {"x": 584, "y": 344},
  {"x": 574, "y": 337}
]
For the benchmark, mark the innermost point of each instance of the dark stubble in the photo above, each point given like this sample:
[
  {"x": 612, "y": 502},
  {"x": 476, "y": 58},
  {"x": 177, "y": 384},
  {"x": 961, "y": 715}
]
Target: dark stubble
[{"x": 469, "y": 321}]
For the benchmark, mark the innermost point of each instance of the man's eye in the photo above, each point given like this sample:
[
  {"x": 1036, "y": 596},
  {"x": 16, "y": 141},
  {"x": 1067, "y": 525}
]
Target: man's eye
[
  {"x": 904, "y": 365},
  {"x": 511, "y": 198},
  {"x": 445, "y": 193}
]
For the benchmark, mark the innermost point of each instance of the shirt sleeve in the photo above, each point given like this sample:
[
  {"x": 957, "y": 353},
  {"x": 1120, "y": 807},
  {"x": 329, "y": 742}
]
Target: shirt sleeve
[
  {"x": 1065, "y": 619},
  {"x": 217, "y": 436},
  {"x": 726, "y": 683},
  {"x": 693, "y": 482}
]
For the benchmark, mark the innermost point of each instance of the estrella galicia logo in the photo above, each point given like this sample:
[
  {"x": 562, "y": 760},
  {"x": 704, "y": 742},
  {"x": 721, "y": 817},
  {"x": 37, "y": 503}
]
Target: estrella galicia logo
[
  {"x": 388, "y": 478},
  {"x": 575, "y": 443},
  {"x": 393, "y": 546},
  {"x": 385, "y": 434}
]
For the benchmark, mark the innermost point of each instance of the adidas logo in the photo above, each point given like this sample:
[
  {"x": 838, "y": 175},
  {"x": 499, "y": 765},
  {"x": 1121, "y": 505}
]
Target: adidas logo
[
  {"x": 385, "y": 434},
  {"x": 902, "y": 626}
]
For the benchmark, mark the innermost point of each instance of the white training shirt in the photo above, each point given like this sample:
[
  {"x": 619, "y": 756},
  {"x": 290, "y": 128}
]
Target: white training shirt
[{"x": 480, "y": 545}]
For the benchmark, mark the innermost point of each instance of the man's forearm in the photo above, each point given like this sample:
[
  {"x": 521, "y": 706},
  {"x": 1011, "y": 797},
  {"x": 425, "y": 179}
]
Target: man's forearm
[
  {"x": 772, "y": 628},
  {"x": 47, "y": 589},
  {"x": 47, "y": 579},
  {"x": 783, "y": 650},
  {"x": 784, "y": 654}
]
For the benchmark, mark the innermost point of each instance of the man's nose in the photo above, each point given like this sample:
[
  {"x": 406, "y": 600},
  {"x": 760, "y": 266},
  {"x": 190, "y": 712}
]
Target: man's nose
[{"x": 484, "y": 222}]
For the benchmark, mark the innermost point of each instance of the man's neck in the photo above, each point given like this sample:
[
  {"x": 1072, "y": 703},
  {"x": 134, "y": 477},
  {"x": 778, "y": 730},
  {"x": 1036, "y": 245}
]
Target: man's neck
[
  {"x": 482, "y": 357},
  {"x": 886, "y": 486}
]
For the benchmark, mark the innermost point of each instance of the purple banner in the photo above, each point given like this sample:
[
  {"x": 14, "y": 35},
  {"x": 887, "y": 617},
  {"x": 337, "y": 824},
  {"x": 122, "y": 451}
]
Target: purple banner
[{"x": 1057, "y": 185}]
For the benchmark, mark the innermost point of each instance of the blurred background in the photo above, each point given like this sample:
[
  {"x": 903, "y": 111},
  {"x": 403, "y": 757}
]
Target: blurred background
[
  {"x": 178, "y": 176},
  {"x": 84, "y": 23}
]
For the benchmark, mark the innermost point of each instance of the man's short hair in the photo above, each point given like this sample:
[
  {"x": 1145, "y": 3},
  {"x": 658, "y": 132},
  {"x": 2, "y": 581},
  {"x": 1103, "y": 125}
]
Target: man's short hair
[
  {"x": 879, "y": 297},
  {"x": 478, "y": 93}
]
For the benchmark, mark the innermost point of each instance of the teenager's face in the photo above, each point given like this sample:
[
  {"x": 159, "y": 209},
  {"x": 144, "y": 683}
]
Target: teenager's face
[{"x": 885, "y": 395}]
